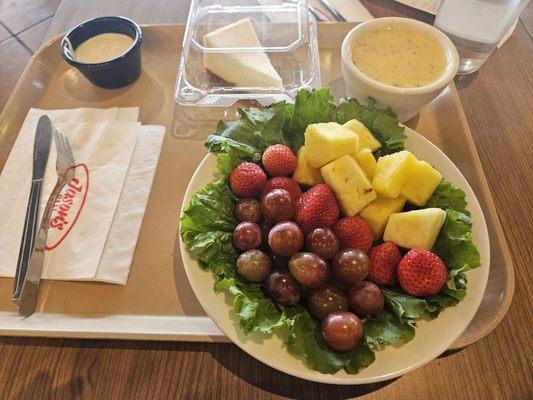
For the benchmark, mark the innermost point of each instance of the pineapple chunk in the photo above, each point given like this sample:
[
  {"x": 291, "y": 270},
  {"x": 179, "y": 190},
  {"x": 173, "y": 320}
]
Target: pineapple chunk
[
  {"x": 325, "y": 142},
  {"x": 393, "y": 172},
  {"x": 367, "y": 162},
  {"x": 305, "y": 174},
  {"x": 415, "y": 229},
  {"x": 366, "y": 139},
  {"x": 377, "y": 213},
  {"x": 421, "y": 184},
  {"x": 349, "y": 183}
]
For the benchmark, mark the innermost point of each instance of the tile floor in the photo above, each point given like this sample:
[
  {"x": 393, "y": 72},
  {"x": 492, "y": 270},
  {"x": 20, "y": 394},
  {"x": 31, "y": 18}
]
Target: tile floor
[{"x": 23, "y": 24}]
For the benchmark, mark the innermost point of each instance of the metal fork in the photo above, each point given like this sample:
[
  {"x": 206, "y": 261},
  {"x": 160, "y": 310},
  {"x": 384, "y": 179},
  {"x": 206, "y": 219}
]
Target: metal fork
[{"x": 65, "y": 173}]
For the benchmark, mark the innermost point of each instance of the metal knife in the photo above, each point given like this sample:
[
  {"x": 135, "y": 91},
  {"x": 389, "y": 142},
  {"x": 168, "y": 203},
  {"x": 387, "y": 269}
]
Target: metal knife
[
  {"x": 27, "y": 300},
  {"x": 29, "y": 291},
  {"x": 41, "y": 150}
]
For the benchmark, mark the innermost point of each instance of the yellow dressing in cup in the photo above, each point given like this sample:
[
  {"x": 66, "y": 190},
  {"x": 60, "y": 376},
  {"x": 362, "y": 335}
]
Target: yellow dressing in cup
[
  {"x": 103, "y": 47},
  {"x": 399, "y": 56}
]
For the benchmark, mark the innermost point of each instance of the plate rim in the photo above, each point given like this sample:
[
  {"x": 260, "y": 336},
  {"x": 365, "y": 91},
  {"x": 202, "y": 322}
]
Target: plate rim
[{"x": 313, "y": 375}]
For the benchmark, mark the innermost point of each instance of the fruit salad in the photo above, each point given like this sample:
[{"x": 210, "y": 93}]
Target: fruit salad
[{"x": 322, "y": 223}]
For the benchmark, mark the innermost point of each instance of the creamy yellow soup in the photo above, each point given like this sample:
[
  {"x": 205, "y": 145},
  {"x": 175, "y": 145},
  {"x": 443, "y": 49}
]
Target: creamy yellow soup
[
  {"x": 399, "y": 56},
  {"x": 103, "y": 47}
]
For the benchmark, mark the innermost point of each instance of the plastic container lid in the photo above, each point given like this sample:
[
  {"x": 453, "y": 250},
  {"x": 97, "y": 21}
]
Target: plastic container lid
[{"x": 262, "y": 50}]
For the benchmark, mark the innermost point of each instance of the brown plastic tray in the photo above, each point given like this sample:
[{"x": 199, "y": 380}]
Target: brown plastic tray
[{"x": 158, "y": 303}]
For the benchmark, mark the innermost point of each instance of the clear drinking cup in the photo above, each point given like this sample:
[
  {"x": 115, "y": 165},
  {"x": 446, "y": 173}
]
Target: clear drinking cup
[{"x": 476, "y": 27}]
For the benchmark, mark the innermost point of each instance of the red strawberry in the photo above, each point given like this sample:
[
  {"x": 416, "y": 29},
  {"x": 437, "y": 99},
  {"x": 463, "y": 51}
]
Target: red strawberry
[
  {"x": 383, "y": 262},
  {"x": 283, "y": 182},
  {"x": 317, "y": 208},
  {"x": 354, "y": 232},
  {"x": 247, "y": 180},
  {"x": 279, "y": 160},
  {"x": 421, "y": 273}
]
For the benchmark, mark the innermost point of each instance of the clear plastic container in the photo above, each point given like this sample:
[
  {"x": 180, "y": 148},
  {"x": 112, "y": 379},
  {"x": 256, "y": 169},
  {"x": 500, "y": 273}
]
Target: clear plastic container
[{"x": 287, "y": 35}]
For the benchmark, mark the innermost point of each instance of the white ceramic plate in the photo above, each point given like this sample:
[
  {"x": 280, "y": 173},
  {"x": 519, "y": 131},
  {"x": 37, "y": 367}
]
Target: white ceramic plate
[{"x": 432, "y": 337}]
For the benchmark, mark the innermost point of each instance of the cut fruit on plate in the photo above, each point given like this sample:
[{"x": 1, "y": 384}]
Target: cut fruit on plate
[
  {"x": 432, "y": 337},
  {"x": 415, "y": 229},
  {"x": 305, "y": 174},
  {"x": 327, "y": 141},
  {"x": 367, "y": 162},
  {"x": 350, "y": 184},
  {"x": 392, "y": 173},
  {"x": 366, "y": 139},
  {"x": 377, "y": 213},
  {"x": 421, "y": 185}
]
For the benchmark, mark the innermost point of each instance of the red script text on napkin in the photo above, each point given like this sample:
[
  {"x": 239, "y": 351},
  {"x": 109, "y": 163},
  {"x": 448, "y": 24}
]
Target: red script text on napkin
[{"x": 68, "y": 207}]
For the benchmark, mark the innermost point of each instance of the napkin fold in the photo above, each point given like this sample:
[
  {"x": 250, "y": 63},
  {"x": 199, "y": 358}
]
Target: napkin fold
[
  {"x": 97, "y": 218},
  {"x": 115, "y": 262}
]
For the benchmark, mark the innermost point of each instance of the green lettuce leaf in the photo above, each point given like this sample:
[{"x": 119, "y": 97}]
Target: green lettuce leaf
[
  {"x": 405, "y": 307},
  {"x": 310, "y": 107},
  {"x": 383, "y": 123},
  {"x": 256, "y": 311},
  {"x": 305, "y": 340},
  {"x": 246, "y": 138},
  {"x": 230, "y": 152},
  {"x": 385, "y": 329},
  {"x": 256, "y": 128},
  {"x": 318, "y": 106},
  {"x": 446, "y": 195},
  {"x": 438, "y": 302},
  {"x": 360, "y": 357},
  {"x": 455, "y": 247},
  {"x": 454, "y": 244},
  {"x": 210, "y": 209},
  {"x": 206, "y": 227}
]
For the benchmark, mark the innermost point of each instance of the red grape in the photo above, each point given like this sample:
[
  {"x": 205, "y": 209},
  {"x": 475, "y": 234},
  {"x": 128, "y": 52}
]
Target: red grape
[
  {"x": 309, "y": 269},
  {"x": 248, "y": 210},
  {"x": 285, "y": 239},
  {"x": 350, "y": 266},
  {"x": 366, "y": 299},
  {"x": 265, "y": 227},
  {"x": 278, "y": 205},
  {"x": 247, "y": 236},
  {"x": 277, "y": 261},
  {"x": 324, "y": 300},
  {"x": 322, "y": 241},
  {"x": 254, "y": 265},
  {"x": 342, "y": 330},
  {"x": 283, "y": 288}
]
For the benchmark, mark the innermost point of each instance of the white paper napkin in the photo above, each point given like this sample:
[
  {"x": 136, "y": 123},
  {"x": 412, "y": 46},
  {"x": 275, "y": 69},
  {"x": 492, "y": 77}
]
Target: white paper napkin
[
  {"x": 123, "y": 158},
  {"x": 114, "y": 265},
  {"x": 78, "y": 231},
  {"x": 351, "y": 10},
  {"x": 429, "y": 6}
]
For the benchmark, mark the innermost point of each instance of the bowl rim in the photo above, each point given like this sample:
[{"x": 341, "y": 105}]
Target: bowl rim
[
  {"x": 72, "y": 61},
  {"x": 447, "y": 45}
]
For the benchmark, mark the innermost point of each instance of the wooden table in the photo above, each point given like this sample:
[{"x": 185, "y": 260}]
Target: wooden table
[{"x": 498, "y": 103}]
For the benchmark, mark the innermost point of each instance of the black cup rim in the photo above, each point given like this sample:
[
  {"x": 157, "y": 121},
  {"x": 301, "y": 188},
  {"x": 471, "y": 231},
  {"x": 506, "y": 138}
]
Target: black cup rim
[{"x": 136, "y": 42}]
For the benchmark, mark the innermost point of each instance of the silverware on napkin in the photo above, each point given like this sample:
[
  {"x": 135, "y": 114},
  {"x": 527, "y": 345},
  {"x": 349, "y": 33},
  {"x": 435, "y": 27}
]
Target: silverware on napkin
[
  {"x": 319, "y": 15},
  {"x": 330, "y": 9},
  {"x": 41, "y": 149},
  {"x": 27, "y": 299}
]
